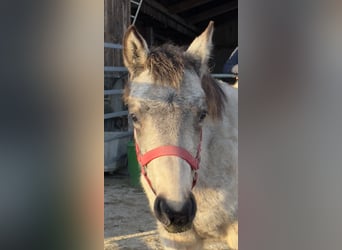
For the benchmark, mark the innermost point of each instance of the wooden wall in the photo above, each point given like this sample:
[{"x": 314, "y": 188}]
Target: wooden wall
[{"x": 116, "y": 20}]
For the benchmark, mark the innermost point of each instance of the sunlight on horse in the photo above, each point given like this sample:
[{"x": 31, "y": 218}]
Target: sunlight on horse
[{"x": 186, "y": 134}]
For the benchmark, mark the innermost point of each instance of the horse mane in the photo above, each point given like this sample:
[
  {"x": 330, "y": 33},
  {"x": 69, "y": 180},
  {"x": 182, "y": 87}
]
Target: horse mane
[
  {"x": 215, "y": 96},
  {"x": 167, "y": 64}
]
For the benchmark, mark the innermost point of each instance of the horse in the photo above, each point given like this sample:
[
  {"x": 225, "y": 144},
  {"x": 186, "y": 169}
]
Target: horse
[{"x": 186, "y": 136}]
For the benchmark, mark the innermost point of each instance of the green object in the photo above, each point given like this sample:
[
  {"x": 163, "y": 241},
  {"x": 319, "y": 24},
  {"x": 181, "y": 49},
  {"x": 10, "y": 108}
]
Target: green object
[{"x": 133, "y": 165}]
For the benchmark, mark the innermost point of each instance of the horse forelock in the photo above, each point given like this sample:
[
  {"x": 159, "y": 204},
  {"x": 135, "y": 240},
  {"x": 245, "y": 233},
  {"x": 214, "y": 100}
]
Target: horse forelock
[{"x": 167, "y": 64}]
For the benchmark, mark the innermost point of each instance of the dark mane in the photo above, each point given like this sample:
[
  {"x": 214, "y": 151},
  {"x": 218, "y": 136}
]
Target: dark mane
[
  {"x": 167, "y": 64},
  {"x": 215, "y": 96}
]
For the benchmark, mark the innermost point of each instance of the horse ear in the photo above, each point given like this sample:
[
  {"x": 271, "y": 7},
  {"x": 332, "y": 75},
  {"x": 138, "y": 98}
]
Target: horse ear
[
  {"x": 201, "y": 46},
  {"x": 135, "y": 50}
]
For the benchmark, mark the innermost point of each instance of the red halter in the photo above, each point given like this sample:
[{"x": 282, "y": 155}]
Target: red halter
[{"x": 167, "y": 151}]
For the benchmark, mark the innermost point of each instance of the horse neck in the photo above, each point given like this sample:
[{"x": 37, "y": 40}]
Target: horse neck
[{"x": 220, "y": 140}]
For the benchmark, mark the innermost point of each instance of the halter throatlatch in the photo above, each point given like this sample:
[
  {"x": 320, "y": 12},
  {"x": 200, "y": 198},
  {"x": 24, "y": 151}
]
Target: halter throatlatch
[{"x": 169, "y": 150}]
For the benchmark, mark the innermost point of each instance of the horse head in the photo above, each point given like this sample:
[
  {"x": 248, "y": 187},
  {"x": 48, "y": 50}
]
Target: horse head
[{"x": 169, "y": 101}]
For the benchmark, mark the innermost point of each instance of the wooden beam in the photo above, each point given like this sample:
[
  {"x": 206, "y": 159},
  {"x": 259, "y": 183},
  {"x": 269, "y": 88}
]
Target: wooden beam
[
  {"x": 186, "y": 5},
  {"x": 116, "y": 19},
  {"x": 218, "y": 10},
  {"x": 161, "y": 13}
]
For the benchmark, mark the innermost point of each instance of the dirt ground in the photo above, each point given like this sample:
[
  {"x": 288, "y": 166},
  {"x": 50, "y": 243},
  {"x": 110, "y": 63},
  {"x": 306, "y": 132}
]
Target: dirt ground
[{"x": 128, "y": 222}]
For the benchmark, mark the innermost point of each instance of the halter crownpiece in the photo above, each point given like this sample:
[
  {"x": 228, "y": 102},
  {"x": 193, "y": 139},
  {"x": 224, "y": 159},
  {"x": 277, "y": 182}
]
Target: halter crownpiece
[{"x": 169, "y": 150}]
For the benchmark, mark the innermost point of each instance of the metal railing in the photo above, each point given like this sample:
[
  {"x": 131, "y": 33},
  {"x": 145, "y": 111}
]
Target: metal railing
[
  {"x": 223, "y": 75},
  {"x": 122, "y": 113},
  {"x": 138, "y": 3}
]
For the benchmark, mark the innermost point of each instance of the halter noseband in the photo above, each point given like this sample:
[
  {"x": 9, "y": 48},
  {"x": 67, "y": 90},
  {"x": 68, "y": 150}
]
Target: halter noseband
[{"x": 169, "y": 150}]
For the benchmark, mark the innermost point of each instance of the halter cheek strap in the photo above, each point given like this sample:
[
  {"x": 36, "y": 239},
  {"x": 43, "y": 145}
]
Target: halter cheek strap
[{"x": 169, "y": 150}]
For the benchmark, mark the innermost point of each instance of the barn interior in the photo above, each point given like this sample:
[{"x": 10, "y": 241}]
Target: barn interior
[
  {"x": 178, "y": 22},
  {"x": 175, "y": 21}
]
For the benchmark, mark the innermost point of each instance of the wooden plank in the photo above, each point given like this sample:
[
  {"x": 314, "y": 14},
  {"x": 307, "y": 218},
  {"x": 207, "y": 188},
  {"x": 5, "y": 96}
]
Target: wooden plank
[
  {"x": 186, "y": 5},
  {"x": 162, "y": 14},
  {"x": 217, "y": 10},
  {"x": 116, "y": 20}
]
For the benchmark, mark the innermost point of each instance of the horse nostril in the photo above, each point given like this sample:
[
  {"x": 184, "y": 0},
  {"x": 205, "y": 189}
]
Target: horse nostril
[
  {"x": 193, "y": 207},
  {"x": 162, "y": 211},
  {"x": 169, "y": 217},
  {"x": 180, "y": 220}
]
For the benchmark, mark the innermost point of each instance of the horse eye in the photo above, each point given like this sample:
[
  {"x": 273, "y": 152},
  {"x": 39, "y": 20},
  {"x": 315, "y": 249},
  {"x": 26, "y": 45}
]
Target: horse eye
[
  {"x": 133, "y": 117},
  {"x": 203, "y": 115}
]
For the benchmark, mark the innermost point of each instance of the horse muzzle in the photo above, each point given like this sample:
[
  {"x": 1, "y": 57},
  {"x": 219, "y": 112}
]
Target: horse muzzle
[{"x": 175, "y": 221}]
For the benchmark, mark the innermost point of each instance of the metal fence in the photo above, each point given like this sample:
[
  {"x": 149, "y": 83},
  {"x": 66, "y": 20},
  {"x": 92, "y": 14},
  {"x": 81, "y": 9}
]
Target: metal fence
[{"x": 114, "y": 92}]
